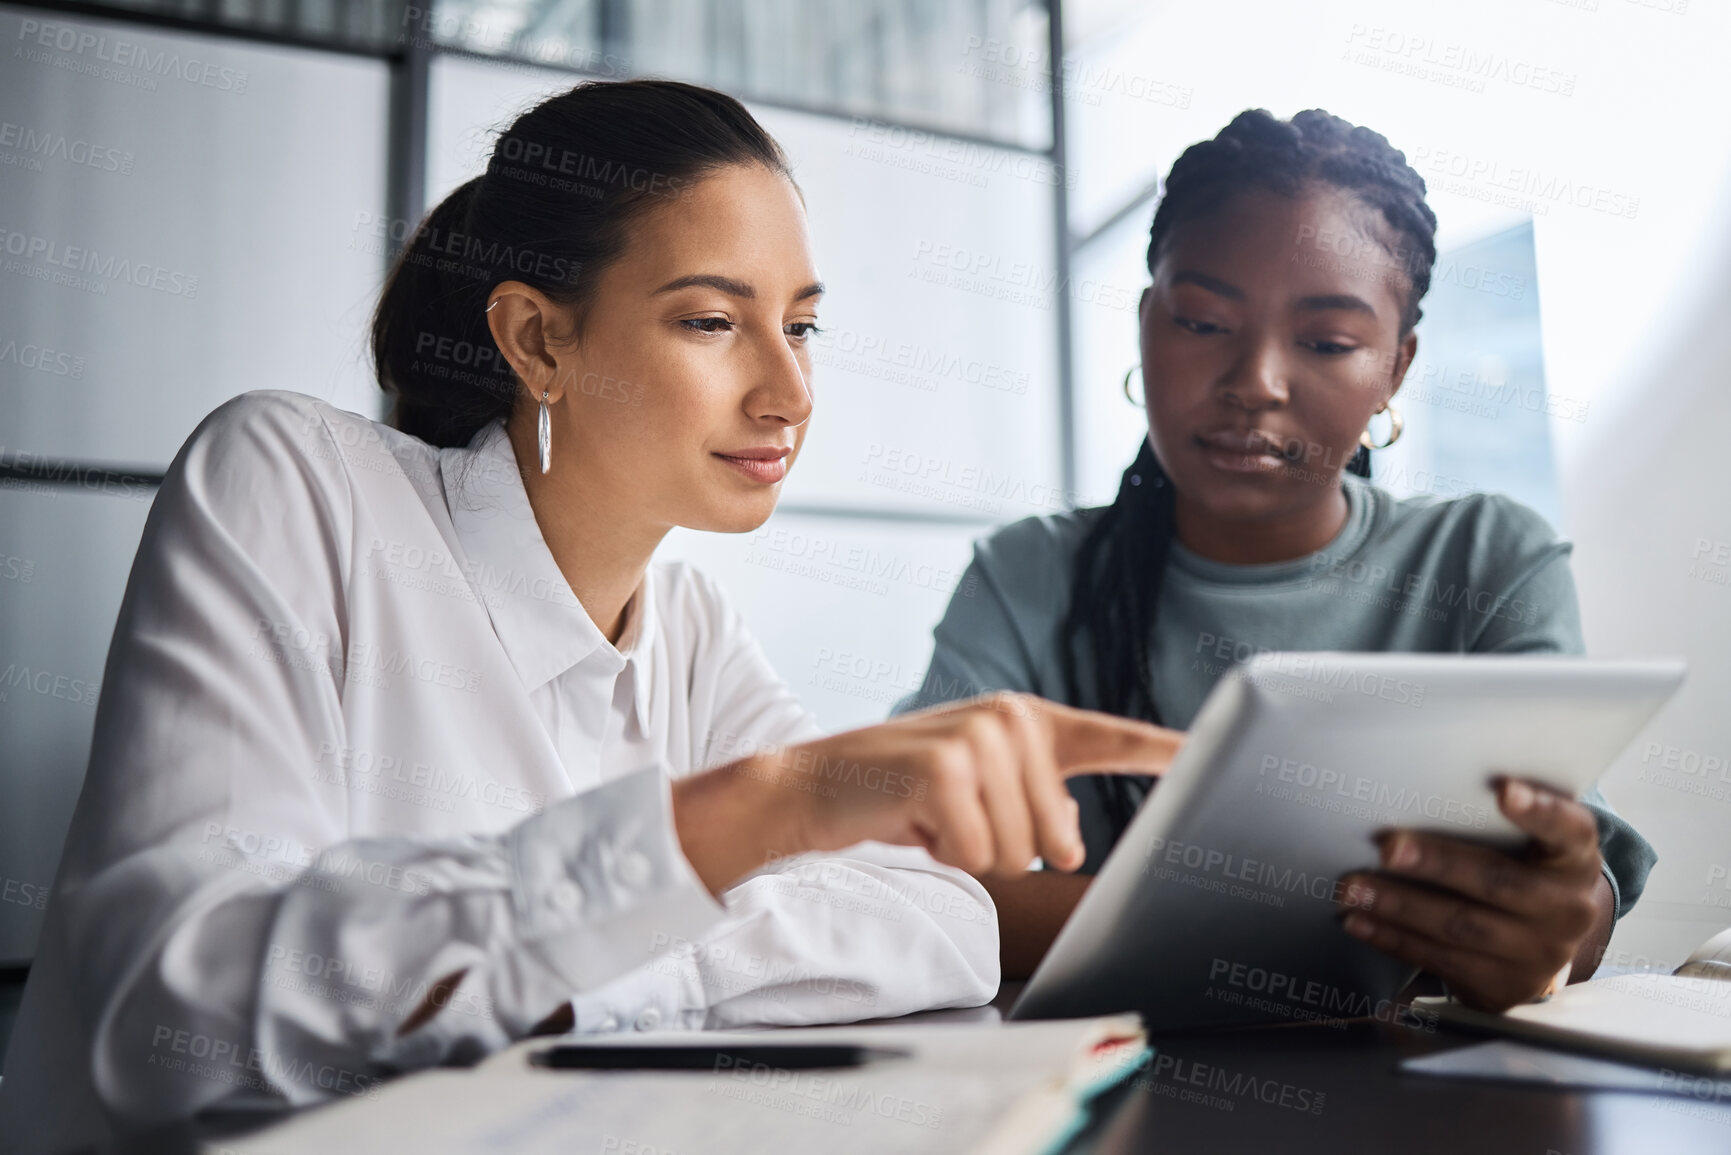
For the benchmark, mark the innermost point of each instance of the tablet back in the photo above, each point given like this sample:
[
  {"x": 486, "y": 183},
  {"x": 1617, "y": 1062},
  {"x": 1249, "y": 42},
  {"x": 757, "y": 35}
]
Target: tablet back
[{"x": 1218, "y": 905}]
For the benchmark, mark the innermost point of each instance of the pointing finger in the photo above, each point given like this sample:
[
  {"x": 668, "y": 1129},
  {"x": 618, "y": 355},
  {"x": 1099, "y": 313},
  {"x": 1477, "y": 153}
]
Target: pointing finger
[{"x": 1088, "y": 742}]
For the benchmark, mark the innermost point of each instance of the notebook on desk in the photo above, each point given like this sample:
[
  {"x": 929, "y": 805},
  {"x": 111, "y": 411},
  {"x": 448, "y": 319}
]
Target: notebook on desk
[
  {"x": 1680, "y": 1020},
  {"x": 1000, "y": 1089}
]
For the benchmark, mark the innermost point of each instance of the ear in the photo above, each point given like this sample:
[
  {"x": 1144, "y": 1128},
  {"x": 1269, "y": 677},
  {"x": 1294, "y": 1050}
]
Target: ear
[
  {"x": 526, "y": 325},
  {"x": 1403, "y": 359}
]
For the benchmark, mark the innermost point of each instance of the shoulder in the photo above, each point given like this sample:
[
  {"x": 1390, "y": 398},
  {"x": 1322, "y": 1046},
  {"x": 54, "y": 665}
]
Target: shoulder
[
  {"x": 262, "y": 416},
  {"x": 269, "y": 448},
  {"x": 1489, "y": 535},
  {"x": 297, "y": 421},
  {"x": 298, "y": 443},
  {"x": 1027, "y": 565},
  {"x": 1494, "y": 518},
  {"x": 265, "y": 428},
  {"x": 1033, "y": 558},
  {"x": 288, "y": 476}
]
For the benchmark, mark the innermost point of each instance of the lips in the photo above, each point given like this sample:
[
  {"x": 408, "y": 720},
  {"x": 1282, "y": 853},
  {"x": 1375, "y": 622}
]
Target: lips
[
  {"x": 762, "y": 463},
  {"x": 1244, "y": 450}
]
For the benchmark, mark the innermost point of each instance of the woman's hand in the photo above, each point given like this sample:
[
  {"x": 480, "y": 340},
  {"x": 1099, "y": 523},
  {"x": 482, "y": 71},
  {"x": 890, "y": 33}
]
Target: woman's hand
[
  {"x": 1496, "y": 927},
  {"x": 979, "y": 784}
]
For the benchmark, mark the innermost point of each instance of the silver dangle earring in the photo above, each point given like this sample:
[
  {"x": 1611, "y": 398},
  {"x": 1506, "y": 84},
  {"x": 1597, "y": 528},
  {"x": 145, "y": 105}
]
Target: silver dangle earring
[{"x": 544, "y": 431}]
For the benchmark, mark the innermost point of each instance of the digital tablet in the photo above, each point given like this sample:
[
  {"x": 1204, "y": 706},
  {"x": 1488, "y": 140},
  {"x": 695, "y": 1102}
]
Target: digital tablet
[{"x": 1218, "y": 905}]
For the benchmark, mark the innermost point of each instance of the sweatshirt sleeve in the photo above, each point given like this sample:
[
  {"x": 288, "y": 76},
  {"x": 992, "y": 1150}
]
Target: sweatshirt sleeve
[
  {"x": 981, "y": 644},
  {"x": 1530, "y": 607}
]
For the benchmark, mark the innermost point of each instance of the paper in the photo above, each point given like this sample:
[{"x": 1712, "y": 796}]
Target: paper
[
  {"x": 956, "y": 1095},
  {"x": 1661, "y": 1020}
]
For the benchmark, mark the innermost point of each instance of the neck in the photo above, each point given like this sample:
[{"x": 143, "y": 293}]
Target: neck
[
  {"x": 601, "y": 553},
  {"x": 1289, "y": 533}
]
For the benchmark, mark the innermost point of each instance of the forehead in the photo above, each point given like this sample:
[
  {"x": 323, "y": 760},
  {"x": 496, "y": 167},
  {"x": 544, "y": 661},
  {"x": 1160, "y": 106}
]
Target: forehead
[
  {"x": 743, "y": 220},
  {"x": 1321, "y": 242}
]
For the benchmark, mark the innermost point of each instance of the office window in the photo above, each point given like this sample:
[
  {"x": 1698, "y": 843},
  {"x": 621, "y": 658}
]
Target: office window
[
  {"x": 1478, "y": 414},
  {"x": 358, "y": 24},
  {"x": 977, "y": 67}
]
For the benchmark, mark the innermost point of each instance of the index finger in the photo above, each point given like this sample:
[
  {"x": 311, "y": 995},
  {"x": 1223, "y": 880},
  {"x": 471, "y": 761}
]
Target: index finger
[{"x": 1089, "y": 742}]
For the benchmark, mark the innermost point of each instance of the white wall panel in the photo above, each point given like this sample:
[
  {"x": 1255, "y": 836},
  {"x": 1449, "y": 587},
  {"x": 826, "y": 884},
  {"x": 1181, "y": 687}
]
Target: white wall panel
[{"x": 182, "y": 218}]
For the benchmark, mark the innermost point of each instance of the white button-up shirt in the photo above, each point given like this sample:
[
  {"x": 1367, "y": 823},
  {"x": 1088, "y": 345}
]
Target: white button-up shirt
[{"x": 357, "y": 736}]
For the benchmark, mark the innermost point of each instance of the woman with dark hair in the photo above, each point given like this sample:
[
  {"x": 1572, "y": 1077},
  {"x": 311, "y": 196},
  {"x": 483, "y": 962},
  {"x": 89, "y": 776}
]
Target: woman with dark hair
[
  {"x": 1288, "y": 259},
  {"x": 406, "y": 749}
]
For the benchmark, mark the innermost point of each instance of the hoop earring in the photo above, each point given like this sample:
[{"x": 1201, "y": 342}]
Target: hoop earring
[
  {"x": 544, "y": 434},
  {"x": 1396, "y": 424},
  {"x": 1127, "y": 397}
]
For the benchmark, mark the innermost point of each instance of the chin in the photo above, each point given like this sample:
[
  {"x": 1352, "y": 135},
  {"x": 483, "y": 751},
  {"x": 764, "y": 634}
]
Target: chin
[
  {"x": 734, "y": 517},
  {"x": 1241, "y": 496}
]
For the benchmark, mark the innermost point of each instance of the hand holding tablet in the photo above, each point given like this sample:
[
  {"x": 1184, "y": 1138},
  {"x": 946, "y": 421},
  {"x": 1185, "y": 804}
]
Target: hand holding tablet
[
  {"x": 1305, "y": 774},
  {"x": 1497, "y": 928}
]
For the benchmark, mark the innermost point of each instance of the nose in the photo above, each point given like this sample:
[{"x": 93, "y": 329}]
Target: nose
[
  {"x": 782, "y": 393},
  {"x": 1257, "y": 378}
]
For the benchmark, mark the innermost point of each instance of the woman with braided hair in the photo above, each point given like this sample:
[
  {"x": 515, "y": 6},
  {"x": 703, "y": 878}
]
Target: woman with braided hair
[{"x": 1288, "y": 260}]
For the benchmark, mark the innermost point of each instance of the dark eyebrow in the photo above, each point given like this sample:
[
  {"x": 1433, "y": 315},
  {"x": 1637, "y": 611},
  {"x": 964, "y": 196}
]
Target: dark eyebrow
[
  {"x": 1213, "y": 284},
  {"x": 1338, "y": 301},
  {"x": 730, "y": 286},
  {"x": 727, "y": 285}
]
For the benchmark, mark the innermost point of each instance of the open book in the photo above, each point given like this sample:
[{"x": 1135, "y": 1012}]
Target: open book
[
  {"x": 988, "y": 1088},
  {"x": 1680, "y": 1020}
]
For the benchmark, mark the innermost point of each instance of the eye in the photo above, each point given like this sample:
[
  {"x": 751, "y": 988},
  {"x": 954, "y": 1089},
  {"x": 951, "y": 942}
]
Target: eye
[
  {"x": 708, "y": 324},
  {"x": 802, "y": 330},
  {"x": 1200, "y": 328},
  {"x": 1329, "y": 348}
]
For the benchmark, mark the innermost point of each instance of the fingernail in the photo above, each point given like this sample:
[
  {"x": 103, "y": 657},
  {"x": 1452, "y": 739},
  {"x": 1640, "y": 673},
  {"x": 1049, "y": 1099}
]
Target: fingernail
[
  {"x": 1520, "y": 796},
  {"x": 1358, "y": 894},
  {"x": 1402, "y": 853},
  {"x": 1357, "y": 925}
]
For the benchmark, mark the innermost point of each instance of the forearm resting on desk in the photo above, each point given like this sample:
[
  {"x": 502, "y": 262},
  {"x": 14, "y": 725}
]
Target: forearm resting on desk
[{"x": 1032, "y": 910}]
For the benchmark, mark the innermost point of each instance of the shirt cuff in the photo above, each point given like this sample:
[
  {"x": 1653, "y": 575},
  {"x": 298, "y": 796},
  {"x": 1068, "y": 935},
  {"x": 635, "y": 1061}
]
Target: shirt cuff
[
  {"x": 666, "y": 994},
  {"x": 600, "y": 884},
  {"x": 1616, "y": 891}
]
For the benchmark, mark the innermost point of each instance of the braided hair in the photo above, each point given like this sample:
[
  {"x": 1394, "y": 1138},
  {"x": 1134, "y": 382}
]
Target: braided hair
[{"x": 1121, "y": 565}]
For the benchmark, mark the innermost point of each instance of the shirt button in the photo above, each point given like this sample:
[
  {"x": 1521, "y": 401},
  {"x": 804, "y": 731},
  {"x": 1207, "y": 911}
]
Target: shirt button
[
  {"x": 634, "y": 869},
  {"x": 566, "y": 896},
  {"x": 649, "y": 1019}
]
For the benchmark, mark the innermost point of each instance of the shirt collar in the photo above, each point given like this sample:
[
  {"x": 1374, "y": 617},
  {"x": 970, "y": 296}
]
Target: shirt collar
[
  {"x": 637, "y": 642},
  {"x": 543, "y": 627}
]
